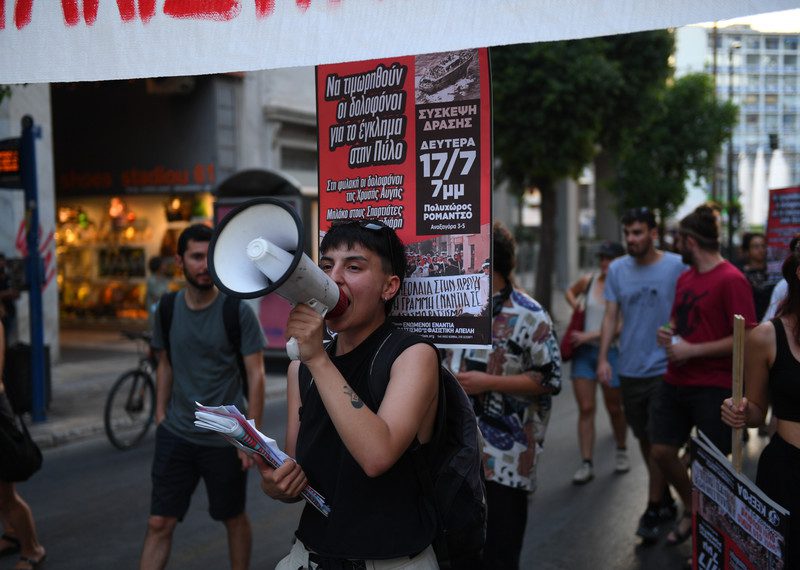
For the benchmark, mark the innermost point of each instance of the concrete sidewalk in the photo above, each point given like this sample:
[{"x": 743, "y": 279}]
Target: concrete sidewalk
[{"x": 91, "y": 361}]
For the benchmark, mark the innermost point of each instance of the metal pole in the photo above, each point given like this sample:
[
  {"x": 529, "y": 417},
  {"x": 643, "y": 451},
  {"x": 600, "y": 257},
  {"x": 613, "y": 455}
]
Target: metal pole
[
  {"x": 33, "y": 268},
  {"x": 732, "y": 47},
  {"x": 714, "y": 174}
]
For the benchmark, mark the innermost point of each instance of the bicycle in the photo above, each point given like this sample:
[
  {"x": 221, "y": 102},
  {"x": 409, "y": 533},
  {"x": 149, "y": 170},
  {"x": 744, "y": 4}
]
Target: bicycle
[{"x": 131, "y": 403}]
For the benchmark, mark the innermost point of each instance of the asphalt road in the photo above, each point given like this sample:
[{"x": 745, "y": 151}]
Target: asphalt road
[{"x": 91, "y": 504}]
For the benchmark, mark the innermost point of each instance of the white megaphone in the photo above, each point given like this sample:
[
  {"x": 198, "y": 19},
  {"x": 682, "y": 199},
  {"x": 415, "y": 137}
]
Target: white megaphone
[{"x": 257, "y": 249}]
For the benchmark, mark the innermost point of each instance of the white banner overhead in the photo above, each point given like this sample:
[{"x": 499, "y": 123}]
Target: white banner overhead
[{"x": 85, "y": 40}]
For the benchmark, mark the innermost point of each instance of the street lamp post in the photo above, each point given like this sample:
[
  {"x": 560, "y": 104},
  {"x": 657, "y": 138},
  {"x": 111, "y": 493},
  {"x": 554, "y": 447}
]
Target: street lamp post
[{"x": 731, "y": 47}]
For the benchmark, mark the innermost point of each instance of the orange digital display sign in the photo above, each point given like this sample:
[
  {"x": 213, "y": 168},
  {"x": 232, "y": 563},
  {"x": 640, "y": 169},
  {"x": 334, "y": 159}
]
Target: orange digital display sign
[
  {"x": 9, "y": 161},
  {"x": 10, "y": 166}
]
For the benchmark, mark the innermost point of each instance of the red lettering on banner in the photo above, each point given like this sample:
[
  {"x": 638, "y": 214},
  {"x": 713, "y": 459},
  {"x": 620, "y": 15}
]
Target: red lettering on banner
[
  {"x": 72, "y": 14},
  {"x": 221, "y": 10},
  {"x": 264, "y": 8},
  {"x": 127, "y": 9},
  {"x": 22, "y": 13}
]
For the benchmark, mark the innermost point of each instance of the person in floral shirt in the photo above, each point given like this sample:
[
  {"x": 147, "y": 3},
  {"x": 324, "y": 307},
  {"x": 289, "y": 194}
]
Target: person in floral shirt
[{"x": 512, "y": 387}]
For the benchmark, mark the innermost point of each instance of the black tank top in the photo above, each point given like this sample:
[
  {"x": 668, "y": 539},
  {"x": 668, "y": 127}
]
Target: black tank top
[
  {"x": 784, "y": 378},
  {"x": 371, "y": 518}
]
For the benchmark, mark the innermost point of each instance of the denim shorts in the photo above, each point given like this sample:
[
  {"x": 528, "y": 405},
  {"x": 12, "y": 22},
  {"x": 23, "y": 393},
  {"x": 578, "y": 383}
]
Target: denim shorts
[{"x": 584, "y": 363}]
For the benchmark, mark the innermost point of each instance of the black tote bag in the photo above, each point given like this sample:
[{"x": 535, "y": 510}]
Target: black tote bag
[{"x": 20, "y": 457}]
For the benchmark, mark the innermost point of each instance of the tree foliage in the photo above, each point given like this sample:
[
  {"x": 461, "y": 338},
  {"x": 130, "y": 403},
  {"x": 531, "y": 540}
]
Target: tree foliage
[
  {"x": 642, "y": 62},
  {"x": 676, "y": 143},
  {"x": 557, "y": 105},
  {"x": 549, "y": 101}
]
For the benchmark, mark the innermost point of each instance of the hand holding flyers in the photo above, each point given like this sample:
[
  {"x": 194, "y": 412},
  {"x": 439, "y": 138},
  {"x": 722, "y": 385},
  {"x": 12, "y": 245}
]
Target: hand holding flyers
[{"x": 229, "y": 422}]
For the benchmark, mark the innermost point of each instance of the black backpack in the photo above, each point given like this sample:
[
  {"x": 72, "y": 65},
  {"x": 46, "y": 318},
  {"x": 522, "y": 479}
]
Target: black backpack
[
  {"x": 451, "y": 468},
  {"x": 230, "y": 318}
]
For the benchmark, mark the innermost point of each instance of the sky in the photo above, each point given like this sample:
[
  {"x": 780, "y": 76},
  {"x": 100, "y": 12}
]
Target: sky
[{"x": 784, "y": 21}]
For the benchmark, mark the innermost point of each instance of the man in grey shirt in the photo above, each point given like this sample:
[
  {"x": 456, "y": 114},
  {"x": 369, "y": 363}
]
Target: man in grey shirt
[
  {"x": 202, "y": 366},
  {"x": 640, "y": 288}
]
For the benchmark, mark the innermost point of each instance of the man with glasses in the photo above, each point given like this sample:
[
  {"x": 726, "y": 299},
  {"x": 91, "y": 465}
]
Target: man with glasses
[{"x": 639, "y": 289}]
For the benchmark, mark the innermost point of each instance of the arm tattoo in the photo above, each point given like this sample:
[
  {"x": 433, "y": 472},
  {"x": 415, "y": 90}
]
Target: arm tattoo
[{"x": 354, "y": 399}]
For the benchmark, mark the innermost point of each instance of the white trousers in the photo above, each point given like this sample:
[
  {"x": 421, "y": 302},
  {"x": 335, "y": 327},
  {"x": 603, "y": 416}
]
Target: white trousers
[{"x": 425, "y": 560}]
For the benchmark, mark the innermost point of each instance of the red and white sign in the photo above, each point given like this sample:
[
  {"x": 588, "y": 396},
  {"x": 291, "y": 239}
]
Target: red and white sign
[
  {"x": 86, "y": 40},
  {"x": 407, "y": 141}
]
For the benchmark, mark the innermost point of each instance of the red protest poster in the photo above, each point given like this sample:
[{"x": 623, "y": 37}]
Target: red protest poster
[
  {"x": 735, "y": 525},
  {"x": 783, "y": 223},
  {"x": 408, "y": 141}
]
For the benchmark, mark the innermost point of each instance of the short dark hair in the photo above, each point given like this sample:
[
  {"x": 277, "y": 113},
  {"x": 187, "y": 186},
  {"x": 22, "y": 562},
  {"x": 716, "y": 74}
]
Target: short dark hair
[
  {"x": 703, "y": 226},
  {"x": 504, "y": 258},
  {"x": 748, "y": 237},
  {"x": 641, "y": 214},
  {"x": 375, "y": 236},
  {"x": 195, "y": 232}
]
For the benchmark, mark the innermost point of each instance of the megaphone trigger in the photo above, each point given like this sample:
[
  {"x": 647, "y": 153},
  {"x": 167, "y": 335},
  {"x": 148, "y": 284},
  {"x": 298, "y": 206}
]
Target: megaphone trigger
[{"x": 292, "y": 349}]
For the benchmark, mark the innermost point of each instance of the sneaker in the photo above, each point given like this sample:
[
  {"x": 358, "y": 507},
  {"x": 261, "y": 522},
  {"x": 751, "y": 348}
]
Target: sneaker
[
  {"x": 621, "y": 462},
  {"x": 584, "y": 474},
  {"x": 648, "y": 525}
]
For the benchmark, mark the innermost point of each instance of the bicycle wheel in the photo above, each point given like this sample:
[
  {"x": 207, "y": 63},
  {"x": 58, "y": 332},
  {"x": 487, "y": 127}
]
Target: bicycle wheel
[{"x": 130, "y": 408}]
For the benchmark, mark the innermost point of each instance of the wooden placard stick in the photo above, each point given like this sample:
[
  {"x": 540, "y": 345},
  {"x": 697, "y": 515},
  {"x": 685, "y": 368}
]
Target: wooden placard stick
[{"x": 738, "y": 383}]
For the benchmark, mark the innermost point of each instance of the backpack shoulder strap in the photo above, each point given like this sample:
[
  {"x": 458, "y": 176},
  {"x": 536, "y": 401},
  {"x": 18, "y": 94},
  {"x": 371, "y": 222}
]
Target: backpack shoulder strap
[
  {"x": 395, "y": 342},
  {"x": 166, "y": 308},
  {"x": 233, "y": 330},
  {"x": 380, "y": 369},
  {"x": 230, "y": 318}
]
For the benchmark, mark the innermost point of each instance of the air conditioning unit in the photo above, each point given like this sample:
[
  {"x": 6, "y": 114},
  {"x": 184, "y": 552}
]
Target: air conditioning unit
[{"x": 170, "y": 85}]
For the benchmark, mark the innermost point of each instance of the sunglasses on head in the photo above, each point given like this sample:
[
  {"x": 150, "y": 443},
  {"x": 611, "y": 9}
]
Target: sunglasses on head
[{"x": 376, "y": 226}]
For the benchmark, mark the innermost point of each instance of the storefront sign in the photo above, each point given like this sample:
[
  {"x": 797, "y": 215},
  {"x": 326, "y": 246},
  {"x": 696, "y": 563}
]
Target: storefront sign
[
  {"x": 10, "y": 169},
  {"x": 89, "y": 40},
  {"x": 407, "y": 141}
]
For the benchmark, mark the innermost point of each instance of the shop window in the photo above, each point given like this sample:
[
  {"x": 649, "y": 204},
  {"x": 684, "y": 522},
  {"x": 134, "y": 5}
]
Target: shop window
[
  {"x": 298, "y": 158},
  {"x": 753, "y": 42},
  {"x": 771, "y": 122}
]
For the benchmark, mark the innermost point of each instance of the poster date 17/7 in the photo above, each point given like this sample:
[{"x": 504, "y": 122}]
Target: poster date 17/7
[{"x": 453, "y": 158}]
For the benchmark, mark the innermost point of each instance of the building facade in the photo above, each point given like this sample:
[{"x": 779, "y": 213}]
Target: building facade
[{"x": 759, "y": 72}]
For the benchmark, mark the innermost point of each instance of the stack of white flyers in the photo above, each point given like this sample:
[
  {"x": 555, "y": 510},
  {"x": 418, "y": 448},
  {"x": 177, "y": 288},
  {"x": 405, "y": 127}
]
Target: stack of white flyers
[{"x": 229, "y": 422}]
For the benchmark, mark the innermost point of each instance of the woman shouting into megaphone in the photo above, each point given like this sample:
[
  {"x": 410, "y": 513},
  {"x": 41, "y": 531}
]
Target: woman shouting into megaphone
[{"x": 351, "y": 432}]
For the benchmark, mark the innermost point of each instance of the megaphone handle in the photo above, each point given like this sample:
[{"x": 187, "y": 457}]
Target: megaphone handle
[{"x": 292, "y": 348}]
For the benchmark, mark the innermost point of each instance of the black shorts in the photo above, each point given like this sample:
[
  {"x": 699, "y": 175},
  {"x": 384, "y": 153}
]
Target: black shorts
[
  {"x": 679, "y": 408},
  {"x": 179, "y": 465},
  {"x": 638, "y": 395}
]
